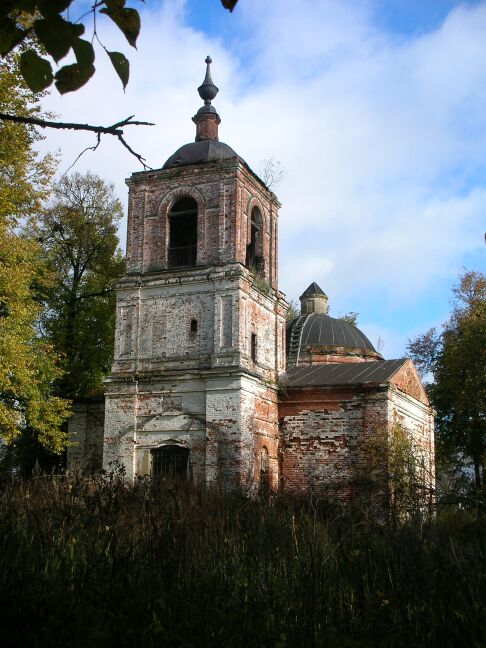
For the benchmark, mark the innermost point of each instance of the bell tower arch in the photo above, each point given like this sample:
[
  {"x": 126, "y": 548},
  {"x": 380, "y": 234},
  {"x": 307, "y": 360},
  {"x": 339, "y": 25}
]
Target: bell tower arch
[{"x": 200, "y": 320}]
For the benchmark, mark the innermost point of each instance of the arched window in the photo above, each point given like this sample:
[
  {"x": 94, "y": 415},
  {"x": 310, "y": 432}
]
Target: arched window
[
  {"x": 183, "y": 233},
  {"x": 254, "y": 249}
]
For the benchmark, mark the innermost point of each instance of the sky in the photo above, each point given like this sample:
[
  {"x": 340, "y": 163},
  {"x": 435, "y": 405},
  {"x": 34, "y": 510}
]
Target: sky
[{"x": 376, "y": 109}]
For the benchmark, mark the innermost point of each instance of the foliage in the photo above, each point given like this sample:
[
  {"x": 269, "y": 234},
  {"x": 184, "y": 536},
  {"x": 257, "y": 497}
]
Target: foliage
[
  {"x": 271, "y": 171},
  {"x": 456, "y": 359},
  {"x": 27, "y": 367},
  {"x": 396, "y": 473},
  {"x": 260, "y": 283},
  {"x": 48, "y": 24},
  {"x": 99, "y": 563},
  {"x": 78, "y": 233},
  {"x": 25, "y": 177},
  {"x": 27, "y": 364},
  {"x": 350, "y": 318},
  {"x": 293, "y": 310}
]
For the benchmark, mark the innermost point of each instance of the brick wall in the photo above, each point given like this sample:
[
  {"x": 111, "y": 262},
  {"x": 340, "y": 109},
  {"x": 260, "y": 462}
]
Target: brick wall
[
  {"x": 325, "y": 432},
  {"x": 184, "y": 372}
]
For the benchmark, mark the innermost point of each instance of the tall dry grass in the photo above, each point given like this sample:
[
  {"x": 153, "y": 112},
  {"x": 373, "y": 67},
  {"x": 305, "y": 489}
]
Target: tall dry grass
[{"x": 96, "y": 562}]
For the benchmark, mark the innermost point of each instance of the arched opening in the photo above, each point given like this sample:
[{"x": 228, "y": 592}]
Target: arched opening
[
  {"x": 183, "y": 233},
  {"x": 264, "y": 474},
  {"x": 254, "y": 249},
  {"x": 170, "y": 461},
  {"x": 193, "y": 327}
]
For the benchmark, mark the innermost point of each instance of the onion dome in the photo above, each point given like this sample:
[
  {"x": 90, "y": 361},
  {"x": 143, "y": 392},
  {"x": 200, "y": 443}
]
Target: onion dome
[
  {"x": 207, "y": 90},
  {"x": 207, "y": 147},
  {"x": 315, "y": 337}
]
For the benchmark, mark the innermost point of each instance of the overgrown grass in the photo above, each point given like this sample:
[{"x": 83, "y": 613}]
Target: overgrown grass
[{"x": 100, "y": 563}]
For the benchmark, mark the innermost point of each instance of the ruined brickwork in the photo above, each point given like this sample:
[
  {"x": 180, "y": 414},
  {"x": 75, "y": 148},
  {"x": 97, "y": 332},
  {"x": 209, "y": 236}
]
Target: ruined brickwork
[
  {"x": 183, "y": 372},
  {"x": 327, "y": 431},
  {"x": 322, "y": 434},
  {"x": 201, "y": 385}
]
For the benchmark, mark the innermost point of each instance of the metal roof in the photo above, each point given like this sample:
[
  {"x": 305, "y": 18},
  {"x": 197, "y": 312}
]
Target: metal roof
[
  {"x": 313, "y": 289},
  {"x": 343, "y": 373},
  {"x": 200, "y": 152},
  {"x": 322, "y": 330}
]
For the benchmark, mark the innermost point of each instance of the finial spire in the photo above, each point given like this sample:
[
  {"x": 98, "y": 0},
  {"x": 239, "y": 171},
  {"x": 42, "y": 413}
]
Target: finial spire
[
  {"x": 207, "y": 91},
  {"x": 207, "y": 119}
]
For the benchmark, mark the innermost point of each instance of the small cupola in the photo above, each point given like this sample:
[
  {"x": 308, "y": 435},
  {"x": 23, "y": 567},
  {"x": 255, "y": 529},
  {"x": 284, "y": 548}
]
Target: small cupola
[
  {"x": 313, "y": 300},
  {"x": 207, "y": 119}
]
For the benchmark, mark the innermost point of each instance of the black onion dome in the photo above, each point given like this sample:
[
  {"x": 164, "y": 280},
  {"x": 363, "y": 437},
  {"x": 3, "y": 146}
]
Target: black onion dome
[
  {"x": 322, "y": 330},
  {"x": 200, "y": 152}
]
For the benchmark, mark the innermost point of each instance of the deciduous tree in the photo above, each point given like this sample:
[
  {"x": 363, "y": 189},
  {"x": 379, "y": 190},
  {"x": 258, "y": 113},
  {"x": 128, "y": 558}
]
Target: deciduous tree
[
  {"x": 78, "y": 232},
  {"x": 27, "y": 364},
  {"x": 456, "y": 359}
]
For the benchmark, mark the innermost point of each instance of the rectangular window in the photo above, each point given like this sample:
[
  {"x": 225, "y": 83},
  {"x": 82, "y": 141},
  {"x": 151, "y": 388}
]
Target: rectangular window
[
  {"x": 226, "y": 321},
  {"x": 126, "y": 326},
  {"x": 254, "y": 347}
]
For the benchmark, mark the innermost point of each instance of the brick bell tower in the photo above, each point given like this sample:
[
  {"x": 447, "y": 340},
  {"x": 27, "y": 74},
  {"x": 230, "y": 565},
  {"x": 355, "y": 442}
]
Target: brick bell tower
[{"x": 200, "y": 321}]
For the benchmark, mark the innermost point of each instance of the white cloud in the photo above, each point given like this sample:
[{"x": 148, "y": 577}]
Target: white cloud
[{"x": 382, "y": 138}]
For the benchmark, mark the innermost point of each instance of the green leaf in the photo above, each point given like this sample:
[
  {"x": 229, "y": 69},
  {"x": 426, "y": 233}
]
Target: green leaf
[
  {"x": 36, "y": 71},
  {"x": 50, "y": 8},
  {"x": 127, "y": 20},
  {"x": 229, "y": 4},
  {"x": 10, "y": 35},
  {"x": 115, "y": 4},
  {"x": 56, "y": 36},
  {"x": 73, "y": 77},
  {"x": 84, "y": 52},
  {"x": 121, "y": 65}
]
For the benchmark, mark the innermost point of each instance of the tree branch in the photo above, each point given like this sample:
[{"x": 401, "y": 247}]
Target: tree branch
[{"x": 115, "y": 129}]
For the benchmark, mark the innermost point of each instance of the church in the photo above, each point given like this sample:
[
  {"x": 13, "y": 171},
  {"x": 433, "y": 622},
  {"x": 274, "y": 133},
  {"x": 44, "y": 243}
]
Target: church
[{"x": 209, "y": 381}]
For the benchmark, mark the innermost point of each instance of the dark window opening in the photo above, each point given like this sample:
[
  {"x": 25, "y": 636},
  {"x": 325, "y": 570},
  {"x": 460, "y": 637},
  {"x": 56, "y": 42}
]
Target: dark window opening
[
  {"x": 193, "y": 327},
  {"x": 254, "y": 249},
  {"x": 264, "y": 473},
  {"x": 183, "y": 233},
  {"x": 170, "y": 461},
  {"x": 254, "y": 346}
]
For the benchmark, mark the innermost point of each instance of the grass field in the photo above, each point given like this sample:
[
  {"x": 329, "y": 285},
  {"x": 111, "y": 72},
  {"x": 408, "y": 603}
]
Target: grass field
[{"x": 99, "y": 563}]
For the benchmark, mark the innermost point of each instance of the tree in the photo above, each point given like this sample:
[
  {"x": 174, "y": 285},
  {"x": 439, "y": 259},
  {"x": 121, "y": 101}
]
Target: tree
[
  {"x": 271, "y": 172},
  {"x": 36, "y": 28},
  {"x": 27, "y": 363},
  {"x": 78, "y": 232},
  {"x": 456, "y": 359},
  {"x": 350, "y": 318},
  {"x": 293, "y": 310}
]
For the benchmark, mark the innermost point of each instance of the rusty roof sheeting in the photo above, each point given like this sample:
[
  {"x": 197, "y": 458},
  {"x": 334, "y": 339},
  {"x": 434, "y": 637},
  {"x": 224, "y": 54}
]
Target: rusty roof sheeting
[{"x": 344, "y": 373}]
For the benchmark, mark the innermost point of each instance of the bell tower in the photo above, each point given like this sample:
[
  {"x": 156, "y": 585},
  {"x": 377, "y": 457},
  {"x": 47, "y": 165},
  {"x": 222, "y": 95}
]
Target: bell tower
[{"x": 200, "y": 321}]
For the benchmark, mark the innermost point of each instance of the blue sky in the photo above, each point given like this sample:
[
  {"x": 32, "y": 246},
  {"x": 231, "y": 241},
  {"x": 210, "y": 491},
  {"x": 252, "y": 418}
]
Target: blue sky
[{"x": 375, "y": 108}]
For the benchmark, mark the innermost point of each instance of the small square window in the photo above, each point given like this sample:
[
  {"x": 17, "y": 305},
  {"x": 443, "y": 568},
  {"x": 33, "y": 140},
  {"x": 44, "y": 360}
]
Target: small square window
[{"x": 193, "y": 327}]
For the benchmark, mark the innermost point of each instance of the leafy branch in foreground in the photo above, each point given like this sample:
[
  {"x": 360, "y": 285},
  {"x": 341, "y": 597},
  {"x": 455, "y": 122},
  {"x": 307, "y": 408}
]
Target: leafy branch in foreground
[{"x": 46, "y": 25}]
